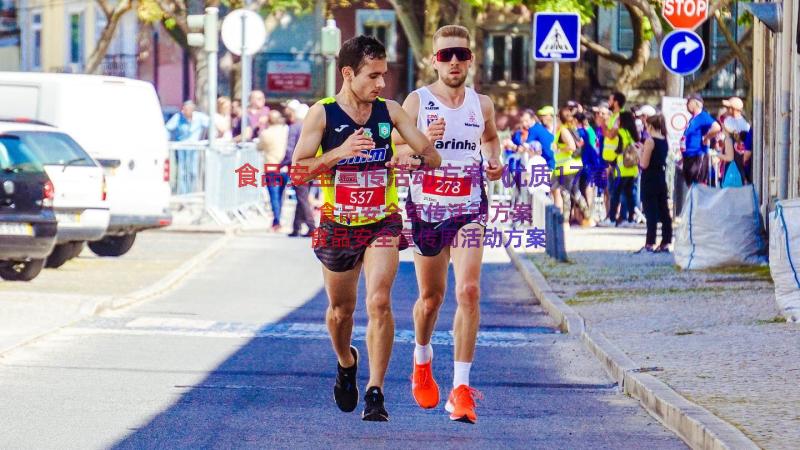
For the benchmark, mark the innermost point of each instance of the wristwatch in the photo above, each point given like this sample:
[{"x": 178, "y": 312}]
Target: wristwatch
[{"x": 421, "y": 160}]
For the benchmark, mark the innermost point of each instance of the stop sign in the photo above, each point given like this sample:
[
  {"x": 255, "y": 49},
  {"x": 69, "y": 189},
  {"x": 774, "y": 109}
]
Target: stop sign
[{"x": 685, "y": 14}]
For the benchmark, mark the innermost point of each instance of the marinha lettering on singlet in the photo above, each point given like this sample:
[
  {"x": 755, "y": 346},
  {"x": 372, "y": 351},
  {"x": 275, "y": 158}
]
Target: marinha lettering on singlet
[{"x": 453, "y": 144}]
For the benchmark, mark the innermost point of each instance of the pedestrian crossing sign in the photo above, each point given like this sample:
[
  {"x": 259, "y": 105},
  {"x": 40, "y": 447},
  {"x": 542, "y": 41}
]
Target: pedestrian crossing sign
[{"x": 556, "y": 37}]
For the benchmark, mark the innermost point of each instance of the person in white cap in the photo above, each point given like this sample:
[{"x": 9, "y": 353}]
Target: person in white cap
[
  {"x": 734, "y": 119},
  {"x": 642, "y": 114}
]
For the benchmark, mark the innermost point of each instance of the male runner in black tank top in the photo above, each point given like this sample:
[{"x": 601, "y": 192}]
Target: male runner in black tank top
[{"x": 349, "y": 138}]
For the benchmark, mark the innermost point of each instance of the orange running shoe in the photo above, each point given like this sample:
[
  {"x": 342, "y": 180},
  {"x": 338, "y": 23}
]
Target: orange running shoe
[
  {"x": 423, "y": 386},
  {"x": 461, "y": 404}
]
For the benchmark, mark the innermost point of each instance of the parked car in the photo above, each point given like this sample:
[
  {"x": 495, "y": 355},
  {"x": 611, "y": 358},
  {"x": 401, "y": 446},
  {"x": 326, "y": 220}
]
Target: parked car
[
  {"x": 80, "y": 202},
  {"x": 27, "y": 221},
  {"x": 118, "y": 122}
]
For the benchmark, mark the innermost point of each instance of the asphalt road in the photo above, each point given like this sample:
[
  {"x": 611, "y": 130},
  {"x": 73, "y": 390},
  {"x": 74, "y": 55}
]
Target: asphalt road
[{"x": 237, "y": 356}]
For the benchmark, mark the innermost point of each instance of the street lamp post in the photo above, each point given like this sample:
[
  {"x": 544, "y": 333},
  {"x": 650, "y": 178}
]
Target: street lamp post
[{"x": 330, "y": 42}]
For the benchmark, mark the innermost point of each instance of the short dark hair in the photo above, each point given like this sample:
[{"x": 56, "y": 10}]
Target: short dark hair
[
  {"x": 355, "y": 50},
  {"x": 619, "y": 97}
]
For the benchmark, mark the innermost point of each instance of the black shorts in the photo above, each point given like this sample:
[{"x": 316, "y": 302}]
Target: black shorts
[
  {"x": 695, "y": 169},
  {"x": 340, "y": 247},
  {"x": 431, "y": 237}
]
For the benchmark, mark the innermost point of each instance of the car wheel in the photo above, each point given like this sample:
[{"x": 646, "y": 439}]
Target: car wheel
[
  {"x": 77, "y": 249},
  {"x": 21, "y": 270},
  {"x": 113, "y": 245},
  {"x": 59, "y": 255}
]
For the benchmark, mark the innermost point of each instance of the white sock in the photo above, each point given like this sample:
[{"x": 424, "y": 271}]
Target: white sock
[
  {"x": 423, "y": 353},
  {"x": 461, "y": 373}
]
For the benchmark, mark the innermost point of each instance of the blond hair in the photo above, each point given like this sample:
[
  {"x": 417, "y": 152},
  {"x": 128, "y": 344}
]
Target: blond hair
[{"x": 456, "y": 31}]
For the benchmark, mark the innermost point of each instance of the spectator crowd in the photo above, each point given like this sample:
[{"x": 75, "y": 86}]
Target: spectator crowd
[
  {"x": 275, "y": 133},
  {"x": 610, "y": 164},
  {"x": 602, "y": 165}
]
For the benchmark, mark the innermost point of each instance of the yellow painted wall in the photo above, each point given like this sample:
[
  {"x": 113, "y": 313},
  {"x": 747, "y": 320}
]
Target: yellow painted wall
[{"x": 55, "y": 33}]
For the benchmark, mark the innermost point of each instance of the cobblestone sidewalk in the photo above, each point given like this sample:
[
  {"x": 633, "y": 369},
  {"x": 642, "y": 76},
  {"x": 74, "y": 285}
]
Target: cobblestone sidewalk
[{"x": 714, "y": 336}]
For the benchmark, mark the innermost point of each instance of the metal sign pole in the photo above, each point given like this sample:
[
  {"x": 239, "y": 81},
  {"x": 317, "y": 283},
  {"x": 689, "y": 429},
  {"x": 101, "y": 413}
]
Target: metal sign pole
[
  {"x": 556, "y": 76},
  {"x": 245, "y": 76},
  {"x": 678, "y": 185}
]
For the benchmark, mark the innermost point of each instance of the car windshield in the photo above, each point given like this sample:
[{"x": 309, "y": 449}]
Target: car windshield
[
  {"x": 15, "y": 156},
  {"x": 51, "y": 148}
]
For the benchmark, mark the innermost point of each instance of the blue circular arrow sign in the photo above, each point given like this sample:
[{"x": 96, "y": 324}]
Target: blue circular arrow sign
[{"x": 682, "y": 52}]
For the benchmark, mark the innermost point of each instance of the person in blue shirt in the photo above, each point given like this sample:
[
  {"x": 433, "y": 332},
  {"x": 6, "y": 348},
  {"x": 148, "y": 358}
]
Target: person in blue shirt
[
  {"x": 542, "y": 133},
  {"x": 697, "y": 139},
  {"x": 187, "y": 124},
  {"x": 531, "y": 131}
]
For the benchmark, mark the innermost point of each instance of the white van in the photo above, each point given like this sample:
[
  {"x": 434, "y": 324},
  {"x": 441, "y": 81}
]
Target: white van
[{"x": 118, "y": 121}]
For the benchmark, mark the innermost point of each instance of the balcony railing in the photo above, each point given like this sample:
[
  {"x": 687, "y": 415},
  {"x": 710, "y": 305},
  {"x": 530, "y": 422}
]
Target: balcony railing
[{"x": 119, "y": 65}]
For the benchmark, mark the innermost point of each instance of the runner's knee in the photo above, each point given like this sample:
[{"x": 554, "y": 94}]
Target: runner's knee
[
  {"x": 431, "y": 300},
  {"x": 379, "y": 304},
  {"x": 342, "y": 313},
  {"x": 468, "y": 294}
]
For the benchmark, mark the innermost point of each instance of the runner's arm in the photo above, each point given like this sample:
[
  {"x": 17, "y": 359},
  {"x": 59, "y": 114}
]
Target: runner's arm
[
  {"x": 305, "y": 164},
  {"x": 407, "y": 128},
  {"x": 490, "y": 141}
]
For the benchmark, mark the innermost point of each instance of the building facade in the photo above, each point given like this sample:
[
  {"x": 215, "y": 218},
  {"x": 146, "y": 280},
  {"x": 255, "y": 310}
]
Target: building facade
[
  {"x": 776, "y": 105},
  {"x": 58, "y": 36},
  {"x": 9, "y": 36}
]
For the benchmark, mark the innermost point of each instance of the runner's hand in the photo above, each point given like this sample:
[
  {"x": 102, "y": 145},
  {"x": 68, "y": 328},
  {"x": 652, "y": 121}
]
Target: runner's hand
[
  {"x": 495, "y": 170},
  {"x": 356, "y": 145},
  {"x": 403, "y": 162},
  {"x": 435, "y": 130}
]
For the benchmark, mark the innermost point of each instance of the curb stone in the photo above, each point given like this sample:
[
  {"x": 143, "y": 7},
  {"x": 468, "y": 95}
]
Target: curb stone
[{"x": 695, "y": 425}]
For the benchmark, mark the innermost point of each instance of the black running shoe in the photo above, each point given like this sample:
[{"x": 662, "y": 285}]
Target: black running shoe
[
  {"x": 345, "y": 391},
  {"x": 373, "y": 409}
]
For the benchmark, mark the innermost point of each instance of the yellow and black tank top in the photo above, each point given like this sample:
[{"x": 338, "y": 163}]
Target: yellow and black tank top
[{"x": 359, "y": 190}]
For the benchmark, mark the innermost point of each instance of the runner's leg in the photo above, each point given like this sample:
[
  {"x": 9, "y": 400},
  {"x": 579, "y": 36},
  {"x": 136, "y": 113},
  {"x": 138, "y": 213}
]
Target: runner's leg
[
  {"x": 432, "y": 281},
  {"x": 342, "y": 289},
  {"x": 467, "y": 268},
  {"x": 380, "y": 269}
]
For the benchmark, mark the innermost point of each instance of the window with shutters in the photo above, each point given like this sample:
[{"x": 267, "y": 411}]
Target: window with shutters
[
  {"x": 730, "y": 80},
  {"x": 507, "y": 57},
  {"x": 382, "y": 25}
]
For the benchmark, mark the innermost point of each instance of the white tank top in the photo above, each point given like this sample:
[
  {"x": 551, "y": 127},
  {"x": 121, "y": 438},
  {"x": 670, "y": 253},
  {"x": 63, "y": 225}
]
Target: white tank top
[{"x": 456, "y": 188}]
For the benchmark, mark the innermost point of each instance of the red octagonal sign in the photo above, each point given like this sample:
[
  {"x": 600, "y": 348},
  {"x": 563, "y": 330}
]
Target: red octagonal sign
[{"x": 685, "y": 14}]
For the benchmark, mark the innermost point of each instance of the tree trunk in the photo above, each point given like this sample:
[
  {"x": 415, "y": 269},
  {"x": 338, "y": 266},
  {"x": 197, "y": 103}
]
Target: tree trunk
[
  {"x": 408, "y": 19},
  {"x": 93, "y": 63},
  {"x": 426, "y": 74},
  {"x": 236, "y": 80},
  {"x": 633, "y": 69},
  {"x": 200, "y": 60},
  {"x": 706, "y": 76}
]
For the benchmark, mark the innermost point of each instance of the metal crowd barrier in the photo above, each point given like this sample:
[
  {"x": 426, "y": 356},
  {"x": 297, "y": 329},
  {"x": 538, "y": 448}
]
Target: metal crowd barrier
[{"x": 205, "y": 179}]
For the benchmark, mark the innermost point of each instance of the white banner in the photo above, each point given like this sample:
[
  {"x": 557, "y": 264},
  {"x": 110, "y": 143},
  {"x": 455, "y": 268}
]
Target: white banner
[{"x": 677, "y": 118}]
